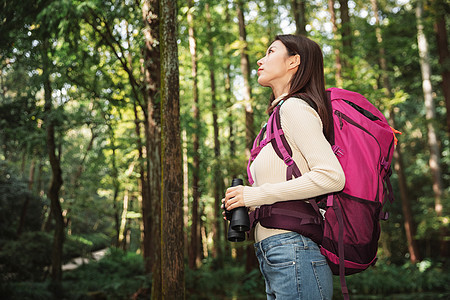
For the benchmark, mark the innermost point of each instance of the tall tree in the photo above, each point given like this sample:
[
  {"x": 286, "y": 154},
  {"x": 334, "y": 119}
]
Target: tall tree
[
  {"x": 228, "y": 92},
  {"x": 55, "y": 163},
  {"x": 441, "y": 9},
  {"x": 337, "y": 52},
  {"x": 346, "y": 34},
  {"x": 217, "y": 178},
  {"x": 430, "y": 115},
  {"x": 249, "y": 118},
  {"x": 245, "y": 69},
  {"x": 172, "y": 260},
  {"x": 151, "y": 204},
  {"x": 195, "y": 228},
  {"x": 298, "y": 9},
  {"x": 409, "y": 224}
]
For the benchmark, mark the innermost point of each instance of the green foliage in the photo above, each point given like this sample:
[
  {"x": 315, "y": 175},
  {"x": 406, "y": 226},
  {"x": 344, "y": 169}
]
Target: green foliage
[
  {"x": 26, "y": 290},
  {"x": 27, "y": 257},
  {"x": 83, "y": 245},
  {"x": 117, "y": 276},
  {"x": 229, "y": 282},
  {"x": 13, "y": 195},
  {"x": 404, "y": 279}
]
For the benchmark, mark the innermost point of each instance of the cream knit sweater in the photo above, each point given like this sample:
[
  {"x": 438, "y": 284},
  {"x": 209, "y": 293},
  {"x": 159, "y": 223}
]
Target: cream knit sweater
[{"x": 321, "y": 171}]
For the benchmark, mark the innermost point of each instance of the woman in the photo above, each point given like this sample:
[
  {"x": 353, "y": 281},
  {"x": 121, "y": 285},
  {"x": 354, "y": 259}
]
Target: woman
[{"x": 291, "y": 263}]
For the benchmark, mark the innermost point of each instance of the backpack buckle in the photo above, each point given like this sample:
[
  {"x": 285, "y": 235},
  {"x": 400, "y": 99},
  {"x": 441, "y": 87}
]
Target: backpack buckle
[
  {"x": 288, "y": 160},
  {"x": 386, "y": 165},
  {"x": 337, "y": 150}
]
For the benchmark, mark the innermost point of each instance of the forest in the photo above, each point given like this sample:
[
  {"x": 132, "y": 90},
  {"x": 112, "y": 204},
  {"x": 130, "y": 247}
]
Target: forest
[{"x": 122, "y": 123}]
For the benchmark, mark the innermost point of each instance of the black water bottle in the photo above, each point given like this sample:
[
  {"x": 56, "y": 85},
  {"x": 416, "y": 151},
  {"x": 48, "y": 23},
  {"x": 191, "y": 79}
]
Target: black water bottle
[{"x": 238, "y": 217}]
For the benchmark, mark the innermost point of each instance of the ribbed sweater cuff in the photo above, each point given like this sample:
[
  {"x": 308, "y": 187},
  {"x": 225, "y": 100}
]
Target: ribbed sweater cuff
[{"x": 254, "y": 196}]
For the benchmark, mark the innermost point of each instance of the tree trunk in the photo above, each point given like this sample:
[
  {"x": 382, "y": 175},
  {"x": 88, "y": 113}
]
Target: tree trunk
[
  {"x": 229, "y": 95},
  {"x": 337, "y": 52},
  {"x": 298, "y": 8},
  {"x": 409, "y": 224},
  {"x": 249, "y": 130},
  {"x": 185, "y": 190},
  {"x": 430, "y": 114},
  {"x": 444, "y": 56},
  {"x": 116, "y": 185},
  {"x": 23, "y": 213},
  {"x": 151, "y": 205},
  {"x": 172, "y": 260},
  {"x": 346, "y": 34},
  {"x": 245, "y": 69},
  {"x": 229, "y": 102},
  {"x": 123, "y": 222},
  {"x": 194, "y": 258},
  {"x": 142, "y": 181},
  {"x": 56, "y": 180},
  {"x": 231, "y": 138},
  {"x": 218, "y": 182}
]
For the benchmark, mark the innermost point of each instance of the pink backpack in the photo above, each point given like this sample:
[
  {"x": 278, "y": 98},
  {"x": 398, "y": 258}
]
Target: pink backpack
[{"x": 364, "y": 144}]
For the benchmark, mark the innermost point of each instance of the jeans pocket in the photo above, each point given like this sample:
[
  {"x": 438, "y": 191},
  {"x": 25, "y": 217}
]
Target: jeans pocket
[
  {"x": 324, "y": 278},
  {"x": 280, "y": 256}
]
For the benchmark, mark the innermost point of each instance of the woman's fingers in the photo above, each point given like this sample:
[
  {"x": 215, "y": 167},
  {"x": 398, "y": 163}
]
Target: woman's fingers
[{"x": 233, "y": 197}]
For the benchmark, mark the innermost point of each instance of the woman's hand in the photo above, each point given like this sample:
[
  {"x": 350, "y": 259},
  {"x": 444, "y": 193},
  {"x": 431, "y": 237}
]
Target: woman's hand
[{"x": 234, "y": 197}]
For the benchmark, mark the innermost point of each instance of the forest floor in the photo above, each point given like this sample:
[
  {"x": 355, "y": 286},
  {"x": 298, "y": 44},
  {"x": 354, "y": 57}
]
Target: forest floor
[{"x": 78, "y": 261}]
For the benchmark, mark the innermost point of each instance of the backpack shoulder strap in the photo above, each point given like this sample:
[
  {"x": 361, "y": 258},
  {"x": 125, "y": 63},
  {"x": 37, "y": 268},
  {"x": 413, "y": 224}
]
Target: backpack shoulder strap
[{"x": 281, "y": 145}]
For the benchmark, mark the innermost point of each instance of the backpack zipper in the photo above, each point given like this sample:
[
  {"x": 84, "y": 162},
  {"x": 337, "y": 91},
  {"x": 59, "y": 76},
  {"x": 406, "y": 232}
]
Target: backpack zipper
[
  {"x": 349, "y": 120},
  {"x": 341, "y": 116}
]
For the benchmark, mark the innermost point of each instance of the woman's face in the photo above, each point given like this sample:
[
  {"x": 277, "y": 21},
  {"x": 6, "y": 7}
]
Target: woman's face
[{"x": 273, "y": 68}]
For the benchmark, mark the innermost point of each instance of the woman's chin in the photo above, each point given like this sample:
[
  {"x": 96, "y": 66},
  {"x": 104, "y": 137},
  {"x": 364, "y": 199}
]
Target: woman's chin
[{"x": 262, "y": 82}]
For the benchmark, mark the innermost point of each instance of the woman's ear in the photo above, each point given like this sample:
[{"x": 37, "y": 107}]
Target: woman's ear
[{"x": 294, "y": 61}]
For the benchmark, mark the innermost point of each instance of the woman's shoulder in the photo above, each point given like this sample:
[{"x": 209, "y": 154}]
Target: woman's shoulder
[{"x": 297, "y": 106}]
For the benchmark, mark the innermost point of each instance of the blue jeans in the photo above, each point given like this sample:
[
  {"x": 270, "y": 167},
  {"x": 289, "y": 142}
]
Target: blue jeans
[{"x": 294, "y": 268}]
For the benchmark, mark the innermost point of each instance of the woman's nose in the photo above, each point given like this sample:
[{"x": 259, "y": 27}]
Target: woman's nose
[{"x": 259, "y": 62}]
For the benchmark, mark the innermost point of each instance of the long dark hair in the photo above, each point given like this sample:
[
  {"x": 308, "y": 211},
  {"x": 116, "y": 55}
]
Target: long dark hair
[{"x": 308, "y": 83}]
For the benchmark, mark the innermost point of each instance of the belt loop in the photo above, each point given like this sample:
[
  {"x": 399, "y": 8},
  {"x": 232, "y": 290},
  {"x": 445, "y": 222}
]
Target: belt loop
[{"x": 304, "y": 240}]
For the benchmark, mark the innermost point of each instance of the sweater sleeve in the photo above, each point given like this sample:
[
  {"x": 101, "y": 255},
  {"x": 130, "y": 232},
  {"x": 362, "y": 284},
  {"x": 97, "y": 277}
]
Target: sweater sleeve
[{"x": 303, "y": 129}]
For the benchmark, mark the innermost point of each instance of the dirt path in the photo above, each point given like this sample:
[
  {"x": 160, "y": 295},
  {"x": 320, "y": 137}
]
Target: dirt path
[{"x": 76, "y": 262}]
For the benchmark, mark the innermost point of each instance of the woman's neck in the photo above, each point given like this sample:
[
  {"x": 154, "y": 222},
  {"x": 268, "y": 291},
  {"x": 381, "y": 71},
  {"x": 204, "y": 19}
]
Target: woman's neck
[
  {"x": 278, "y": 91},
  {"x": 278, "y": 99}
]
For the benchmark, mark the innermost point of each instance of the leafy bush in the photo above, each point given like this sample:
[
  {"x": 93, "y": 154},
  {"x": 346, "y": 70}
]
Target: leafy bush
[
  {"x": 13, "y": 194},
  {"x": 426, "y": 280},
  {"x": 117, "y": 276},
  {"x": 82, "y": 245},
  {"x": 387, "y": 279},
  {"x": 25, "y": 291},
  {"x": 26, "y": 258},
  {"x": 229, "y": 282}
]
